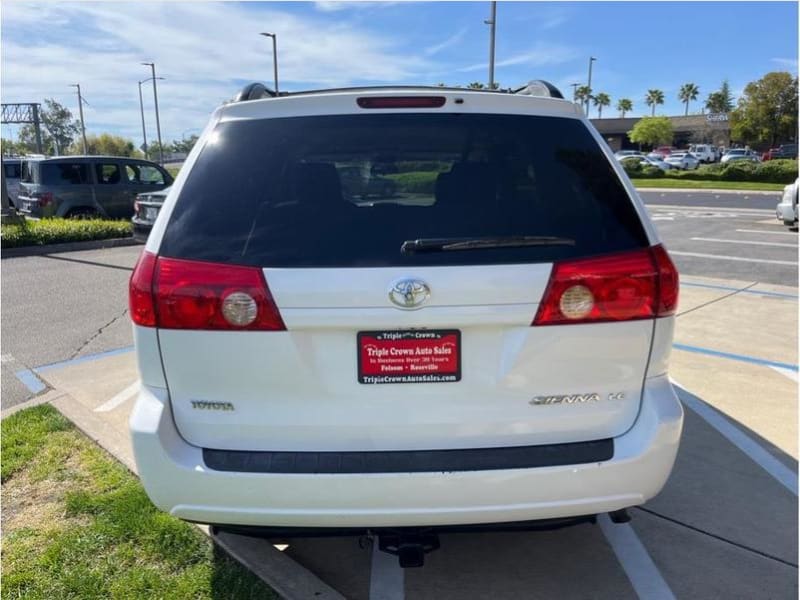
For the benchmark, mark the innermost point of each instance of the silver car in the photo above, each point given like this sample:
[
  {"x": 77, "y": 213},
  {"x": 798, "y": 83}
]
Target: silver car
[
  {"x": 683, "y": 160},
  {"x": 740, "y": 154}
]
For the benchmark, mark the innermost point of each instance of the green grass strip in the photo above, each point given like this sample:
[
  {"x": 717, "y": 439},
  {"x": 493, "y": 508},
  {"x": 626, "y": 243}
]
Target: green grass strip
[{"x": 77, "y": 524}]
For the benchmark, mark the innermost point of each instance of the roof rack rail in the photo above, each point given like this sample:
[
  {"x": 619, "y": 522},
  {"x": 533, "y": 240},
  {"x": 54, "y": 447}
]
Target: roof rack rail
[
  {"x": 254, "y": 91},
  {"x": 540, "y": 87}
]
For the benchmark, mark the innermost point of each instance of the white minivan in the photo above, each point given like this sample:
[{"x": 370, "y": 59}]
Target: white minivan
[
  {"x": 485, "y": 342},
  {"x": 706, "y": 153}
]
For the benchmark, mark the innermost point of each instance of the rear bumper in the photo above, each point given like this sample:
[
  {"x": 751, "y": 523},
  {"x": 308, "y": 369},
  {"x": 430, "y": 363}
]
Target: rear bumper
[
  {"x": 785, "y": 211},
  {"x": 179, "y": 482}
]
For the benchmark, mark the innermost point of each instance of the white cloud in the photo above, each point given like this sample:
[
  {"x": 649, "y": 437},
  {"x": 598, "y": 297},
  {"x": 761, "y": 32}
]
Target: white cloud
[
  {"x": 541, "y": 55},
  {"x": 451, "y": 41},
  {"x": 787, "y": 63},
  {"x": 206, "y": 52}
]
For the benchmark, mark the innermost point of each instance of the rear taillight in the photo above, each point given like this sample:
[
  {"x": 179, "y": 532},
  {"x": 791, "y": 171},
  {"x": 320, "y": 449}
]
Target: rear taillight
[
  {"x": 180, "y": 294},
  {"x": 642, "y": 284},
  {"x": 401, "y": 101},
  {"x": 44, "y": 198},
  {"x": 140, "y": 291}
]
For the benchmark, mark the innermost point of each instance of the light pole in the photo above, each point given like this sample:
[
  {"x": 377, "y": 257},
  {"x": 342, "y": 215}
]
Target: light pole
[
  {"x": 492, "y": 23},
  {"x": 80, "y": 109},
  {"x": 574, "y": 91},
  {"x": 274, "y": 56},
  {"x": 158, "y": 122},
  {"x": 589, "y": 84},
  {"x": 141, "y": 110}
]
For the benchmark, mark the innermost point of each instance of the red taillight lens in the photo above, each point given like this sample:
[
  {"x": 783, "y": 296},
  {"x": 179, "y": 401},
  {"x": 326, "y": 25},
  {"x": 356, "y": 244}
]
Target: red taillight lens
[
  {"x": 44, "y": 198},
  {"x": 668, "y": 282},
  {"x": 140, "y": 291},
  {"x": 642, "y": 284},
  {"x": 199, "y": 295},
  {"x": 401, "y": 101}
]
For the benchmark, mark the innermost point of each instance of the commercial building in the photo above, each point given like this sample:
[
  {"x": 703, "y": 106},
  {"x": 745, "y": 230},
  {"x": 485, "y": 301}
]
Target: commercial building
[{"x": 694, "y": 129}]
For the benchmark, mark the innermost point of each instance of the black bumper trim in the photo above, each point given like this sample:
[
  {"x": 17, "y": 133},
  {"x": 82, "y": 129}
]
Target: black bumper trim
[{"x": 410, "y": 461}]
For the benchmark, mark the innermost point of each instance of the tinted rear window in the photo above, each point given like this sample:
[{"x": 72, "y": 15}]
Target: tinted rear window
[
  {"x": 63, "y": 173},
  {"x": 343, "y": 191}
]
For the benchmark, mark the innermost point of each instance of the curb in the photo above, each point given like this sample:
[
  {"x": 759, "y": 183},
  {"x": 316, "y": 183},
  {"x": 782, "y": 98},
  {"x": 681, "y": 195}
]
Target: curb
[
  {"x": 67, "y": 247},
  {"x": 709, "y": 191}
]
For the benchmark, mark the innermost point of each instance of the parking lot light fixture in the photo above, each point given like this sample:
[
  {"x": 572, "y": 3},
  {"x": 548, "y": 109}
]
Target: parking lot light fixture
[
  {"x": 144, "y": 130},
  {"x": 80, "y": 109},
  {"x": 274, "y": 55},
  {"x": 158, "y": 121}
]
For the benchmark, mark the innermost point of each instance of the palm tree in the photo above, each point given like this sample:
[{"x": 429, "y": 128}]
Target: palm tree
[
  {"x": 624, "y": 105},
  {"x": 688, "y": 93},
  {"x": 600, "y": 100},
  {"x": 476, "y": 85},
  {"x": 583, "y": 94},
  {"x": 653, "y": 98}
]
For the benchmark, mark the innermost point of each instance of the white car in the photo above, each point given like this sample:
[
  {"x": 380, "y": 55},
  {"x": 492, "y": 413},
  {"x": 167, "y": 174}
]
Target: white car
[
  {"x": 740, "y": 154},
  {"x": 682, "y": 160},
  {"x": 620, "y": 154},
  {"x": 472, "y": 350},
  {"x": 786, "y": 211},
  {"x": 645, "y": 161}
]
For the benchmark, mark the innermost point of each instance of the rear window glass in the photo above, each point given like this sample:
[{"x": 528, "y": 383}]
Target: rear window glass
[
  {"x": 349, "y": 190},
  {"x": 12, "y": 170},
  {"x": 63, "y": 173}
]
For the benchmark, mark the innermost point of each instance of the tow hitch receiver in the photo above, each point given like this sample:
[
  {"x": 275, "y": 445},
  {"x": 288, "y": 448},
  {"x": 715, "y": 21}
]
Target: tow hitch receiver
[{"x": 410, "y": 548}]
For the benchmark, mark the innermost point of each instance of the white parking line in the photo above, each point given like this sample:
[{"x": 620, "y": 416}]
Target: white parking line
[
  {"x": 787, "y": 372},
  {"x": 642, "y": 572},
  {"x": 750, "y": 242},
  {"x": 386, "y": 579},
  {"x": 783, "y": 474},
  {"x": 126, "y": 394},
  {"x": 767, "y": 231},
  {"x": 736, "y": 258}
]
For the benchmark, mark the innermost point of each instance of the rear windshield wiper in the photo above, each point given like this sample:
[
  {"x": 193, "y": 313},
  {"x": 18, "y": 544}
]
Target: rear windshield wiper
[{"x": 451, "y": 244}]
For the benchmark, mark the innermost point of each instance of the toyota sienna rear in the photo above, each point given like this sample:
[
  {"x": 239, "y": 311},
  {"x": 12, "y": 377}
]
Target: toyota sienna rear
[{"x": 402, "y": 307}]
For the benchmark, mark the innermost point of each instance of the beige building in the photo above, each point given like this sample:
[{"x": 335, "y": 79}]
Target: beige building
[{"x": 694, "y": 129}]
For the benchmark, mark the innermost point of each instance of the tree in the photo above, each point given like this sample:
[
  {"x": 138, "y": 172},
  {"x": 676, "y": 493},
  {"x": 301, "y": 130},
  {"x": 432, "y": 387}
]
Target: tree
[
  {"x": 476, "y": 85},
  {"x": 600, "y": 100},
  {"x": 105, "y": 144},
  {"x": 720, "y": 101},
  {"x": 583, "y": 94},
  {"x": 185, "y": 145},
  {"x": 653, "y": 98},
  {"x": 59, "y": 129},
  {"x": 767, "y": 111},
  {"x": 688, "y": 93},
  {"x": 652, "y": 131},
  {"x": 624, "y": 105},
  {"x": 11, "y": 148}
]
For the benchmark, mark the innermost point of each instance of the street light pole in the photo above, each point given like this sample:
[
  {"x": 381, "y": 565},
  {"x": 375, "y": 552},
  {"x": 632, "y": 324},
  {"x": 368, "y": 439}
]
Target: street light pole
[
  {"x": 158, "y": 122},
  {"x": 492, "y": 24},
  {"x": 589, "y": 84},
  {"x": 141, "y": 110},
  {"x": 274, "y": 56},
  {"x": 80, "y": 110},
  {"x": 574, "y": 91}
]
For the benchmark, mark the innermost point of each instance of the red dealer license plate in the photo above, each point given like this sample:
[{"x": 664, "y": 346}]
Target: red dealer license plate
[{"x": 418, "y": 356}]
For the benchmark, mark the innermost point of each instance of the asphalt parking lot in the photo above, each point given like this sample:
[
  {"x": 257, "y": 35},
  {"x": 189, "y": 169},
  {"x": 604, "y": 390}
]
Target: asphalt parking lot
[{"x": 726, "y": 523}]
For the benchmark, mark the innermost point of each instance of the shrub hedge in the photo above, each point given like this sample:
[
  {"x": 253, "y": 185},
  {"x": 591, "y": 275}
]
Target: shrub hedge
[
  {"x": 56, "y": 231},
  {"x": 772, "y": 171}
]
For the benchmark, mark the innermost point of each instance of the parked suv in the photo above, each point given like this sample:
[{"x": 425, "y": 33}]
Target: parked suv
[
  {"x": 488, "y": 345},
  {"x": 87, "y": 186},
  {"x": 11, "y": 172}
]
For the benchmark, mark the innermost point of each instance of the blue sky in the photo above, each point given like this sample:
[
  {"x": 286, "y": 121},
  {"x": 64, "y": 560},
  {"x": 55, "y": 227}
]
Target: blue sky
[{"x": 207, "y": 50}]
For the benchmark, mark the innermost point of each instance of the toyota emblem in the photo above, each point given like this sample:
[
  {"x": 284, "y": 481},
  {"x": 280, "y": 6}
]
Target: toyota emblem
[{"x": 409, "y": 293}]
